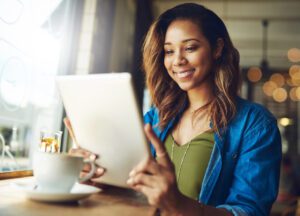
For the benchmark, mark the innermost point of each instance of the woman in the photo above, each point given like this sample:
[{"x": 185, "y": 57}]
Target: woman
[{"x": 215, "y": 153}]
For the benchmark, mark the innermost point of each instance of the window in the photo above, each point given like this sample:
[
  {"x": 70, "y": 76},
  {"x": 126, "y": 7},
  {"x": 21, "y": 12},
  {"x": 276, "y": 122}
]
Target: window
[{"x": 32, "y": 39}]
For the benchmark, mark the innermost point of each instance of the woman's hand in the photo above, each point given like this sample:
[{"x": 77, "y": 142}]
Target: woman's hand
[
  {"x": 87, "y": 167},
  {"x": 156, "y": 179},
  {"x": 78, "y": 151}
]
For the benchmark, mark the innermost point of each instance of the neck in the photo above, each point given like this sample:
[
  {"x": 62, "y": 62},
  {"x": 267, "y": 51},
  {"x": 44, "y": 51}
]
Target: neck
[{"x": 200, "y": 96}]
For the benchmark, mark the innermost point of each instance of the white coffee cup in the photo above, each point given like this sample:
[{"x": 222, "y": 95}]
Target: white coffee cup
[{"x": 58, "y": 172}]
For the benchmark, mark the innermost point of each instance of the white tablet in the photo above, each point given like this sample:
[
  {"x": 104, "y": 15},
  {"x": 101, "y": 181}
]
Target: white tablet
[{"x": 103, "y": 111}]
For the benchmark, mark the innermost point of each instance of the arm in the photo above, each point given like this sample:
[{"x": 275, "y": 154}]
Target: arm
[
  {"x": 156, "y": 179},
  {"x": 256, "y": 177}
]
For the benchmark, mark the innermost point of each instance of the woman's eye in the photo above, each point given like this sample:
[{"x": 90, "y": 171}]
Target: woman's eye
[
  {"x": 190, "y": 48},
  {"x": 168, "y": 52}
]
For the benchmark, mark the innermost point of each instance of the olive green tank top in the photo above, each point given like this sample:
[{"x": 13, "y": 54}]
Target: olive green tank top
[{"x": 191, "y": 160}]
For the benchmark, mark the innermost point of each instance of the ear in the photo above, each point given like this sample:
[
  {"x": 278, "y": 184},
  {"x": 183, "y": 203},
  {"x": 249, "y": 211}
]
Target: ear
[{"x": 219, "y": 48}]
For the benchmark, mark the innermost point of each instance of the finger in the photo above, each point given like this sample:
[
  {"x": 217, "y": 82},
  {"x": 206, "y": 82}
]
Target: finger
[
  {"x": 79, "y": 152},
  {"x": 86, "y": 167},
  {"x": 83, "y": 153},
  {"x": 142, "y": 178},
  {"x": 143, "y": 189},
  {"x": 160, "y": 149},
  {"x": 147, "y": 165},
  {"x": 99, "y": 172},
  {"x": 83, "y": 173},
  {"x": 161, "y": 152}
]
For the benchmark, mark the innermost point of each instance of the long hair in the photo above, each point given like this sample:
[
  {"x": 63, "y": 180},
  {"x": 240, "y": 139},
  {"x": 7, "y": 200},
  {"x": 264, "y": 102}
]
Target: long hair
[{"x": 165, "y": 93}]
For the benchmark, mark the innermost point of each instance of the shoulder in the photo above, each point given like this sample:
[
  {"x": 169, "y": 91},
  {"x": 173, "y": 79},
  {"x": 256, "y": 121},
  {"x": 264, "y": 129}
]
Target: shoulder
[
  {"x": 252, "y": 121},
  {"x": 250, "y": 114}
]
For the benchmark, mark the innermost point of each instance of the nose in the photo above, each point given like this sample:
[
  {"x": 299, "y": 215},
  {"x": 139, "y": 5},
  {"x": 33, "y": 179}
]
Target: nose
[{"x": 179, "y": 59}]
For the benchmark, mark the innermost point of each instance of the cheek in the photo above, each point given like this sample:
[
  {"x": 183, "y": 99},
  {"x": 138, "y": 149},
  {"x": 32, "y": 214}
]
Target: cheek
[
  {"x": 167, "y": 63},
  {"x": 202, "y": 61},
  {"x": 202, "y": 58},
  {"x": 168, "y": 66}
]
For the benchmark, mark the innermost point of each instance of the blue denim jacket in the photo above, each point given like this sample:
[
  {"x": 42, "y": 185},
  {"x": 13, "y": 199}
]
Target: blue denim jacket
[{"x": 243, "y": 172}]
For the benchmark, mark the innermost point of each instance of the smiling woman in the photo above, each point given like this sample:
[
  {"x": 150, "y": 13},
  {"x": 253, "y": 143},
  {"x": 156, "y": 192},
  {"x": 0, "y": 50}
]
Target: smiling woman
[{"x": 214, "y": 153}]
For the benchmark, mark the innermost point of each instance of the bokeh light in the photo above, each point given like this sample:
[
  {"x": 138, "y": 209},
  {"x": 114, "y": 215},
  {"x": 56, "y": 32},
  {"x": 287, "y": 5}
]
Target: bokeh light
[
  {"x": 254, "y": 74},
  {"x": 294, "y": 55},
  {"x": 294, "y": 71},
  {"x": 293, "y": 94},
  {"x": 298, "y": 93},
  {"x": 280, "y": 95},
  {"x": 286, "y": 121},
  {"x": 278, "y": 79},
  {"x": 269, "y": 87},
  {"x": 289, "y": 81},
  {"x": 296, "y": 81}
]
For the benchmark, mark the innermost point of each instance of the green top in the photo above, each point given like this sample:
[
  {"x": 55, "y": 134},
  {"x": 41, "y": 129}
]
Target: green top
[{"x": 194, "y": 157}]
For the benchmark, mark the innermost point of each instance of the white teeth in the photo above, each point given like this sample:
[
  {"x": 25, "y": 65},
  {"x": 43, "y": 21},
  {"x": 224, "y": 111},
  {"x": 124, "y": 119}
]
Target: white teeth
[{"x": 184, "y": 73}]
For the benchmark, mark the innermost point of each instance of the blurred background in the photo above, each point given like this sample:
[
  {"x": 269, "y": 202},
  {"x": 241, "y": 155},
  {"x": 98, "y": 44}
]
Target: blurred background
[{"x": 40, "y": 39}]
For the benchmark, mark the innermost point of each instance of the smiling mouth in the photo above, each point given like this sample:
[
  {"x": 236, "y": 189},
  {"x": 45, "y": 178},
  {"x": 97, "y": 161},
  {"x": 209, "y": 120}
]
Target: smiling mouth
[{"x": 183, "y": 74}]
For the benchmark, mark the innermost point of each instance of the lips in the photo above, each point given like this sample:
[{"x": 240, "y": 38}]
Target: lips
[{"x": 184, "y": 73}]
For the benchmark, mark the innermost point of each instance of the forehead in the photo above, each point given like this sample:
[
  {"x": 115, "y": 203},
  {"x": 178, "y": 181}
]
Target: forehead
[{"x": 180, "y": 30}]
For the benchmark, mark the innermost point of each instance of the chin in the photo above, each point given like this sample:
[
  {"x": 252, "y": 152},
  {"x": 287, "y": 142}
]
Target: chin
[{"x": 186, "y": 86}]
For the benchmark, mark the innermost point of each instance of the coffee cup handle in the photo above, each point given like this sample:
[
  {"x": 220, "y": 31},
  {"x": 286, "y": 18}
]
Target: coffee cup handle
[{"x": 91, "y": 173}]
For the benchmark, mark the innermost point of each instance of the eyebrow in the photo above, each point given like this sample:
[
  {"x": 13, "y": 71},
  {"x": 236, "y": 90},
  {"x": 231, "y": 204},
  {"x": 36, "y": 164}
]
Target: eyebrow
[{"x": 184, "y": 41}]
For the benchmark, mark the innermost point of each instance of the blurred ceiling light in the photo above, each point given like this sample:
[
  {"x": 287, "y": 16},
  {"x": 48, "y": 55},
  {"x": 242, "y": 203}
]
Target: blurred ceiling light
[
  {"x": 254, "y": 74},
  {"x": 293, "y": 94},
  {"x": 269, "y": 87},
  {"x": 290, "y": 82},
  {"x": 294, "y": 55},
  {"x": 294, "y": 71},
  {"x": 298, "y": 93},
  {"x": 296, "y": 81},
  {"x": 280, "y": 95},
  {"x": 285, "y": 121},
  {"x": 278, "y": 79}
]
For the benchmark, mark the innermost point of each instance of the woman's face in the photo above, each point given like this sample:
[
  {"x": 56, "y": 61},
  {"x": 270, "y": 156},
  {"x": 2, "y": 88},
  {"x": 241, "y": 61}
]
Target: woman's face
[{"x": 188, "y": 55}]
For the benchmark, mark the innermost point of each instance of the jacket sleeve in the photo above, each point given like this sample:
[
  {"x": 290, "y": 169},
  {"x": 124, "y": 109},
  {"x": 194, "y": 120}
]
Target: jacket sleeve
[
  {"x": 256, "y": 177},
  {"x": 149, "y": 118}
]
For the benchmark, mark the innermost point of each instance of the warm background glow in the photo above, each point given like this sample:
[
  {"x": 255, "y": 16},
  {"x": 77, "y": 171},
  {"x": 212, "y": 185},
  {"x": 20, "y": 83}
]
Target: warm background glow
[
  {"x": 294, "y": 55},
  {"x": 254, "y": 74},
  {"x": 279, "y": 95}
]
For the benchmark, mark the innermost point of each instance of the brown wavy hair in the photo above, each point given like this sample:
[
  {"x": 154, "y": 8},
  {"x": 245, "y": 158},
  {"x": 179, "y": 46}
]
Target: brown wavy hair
[{"x": 225, "y": 75}]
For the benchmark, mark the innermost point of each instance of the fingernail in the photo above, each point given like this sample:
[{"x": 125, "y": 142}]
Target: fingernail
[
  {"x": 92, "y": 157},
  {"x": 129, "y": 181},
  {"x": 132, "y": 173},
  {"x": 100, "y": 171}
]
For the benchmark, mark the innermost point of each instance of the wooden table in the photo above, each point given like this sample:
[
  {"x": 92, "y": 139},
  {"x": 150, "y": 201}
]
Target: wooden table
[{"x": 111, "y": 201}]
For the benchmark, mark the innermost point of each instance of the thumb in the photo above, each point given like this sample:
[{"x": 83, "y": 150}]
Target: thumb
[{"x": 161, "y": 152}]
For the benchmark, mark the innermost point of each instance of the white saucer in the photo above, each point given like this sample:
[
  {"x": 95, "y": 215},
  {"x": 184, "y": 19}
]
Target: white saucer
[{"x": 79, "y": 191}]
